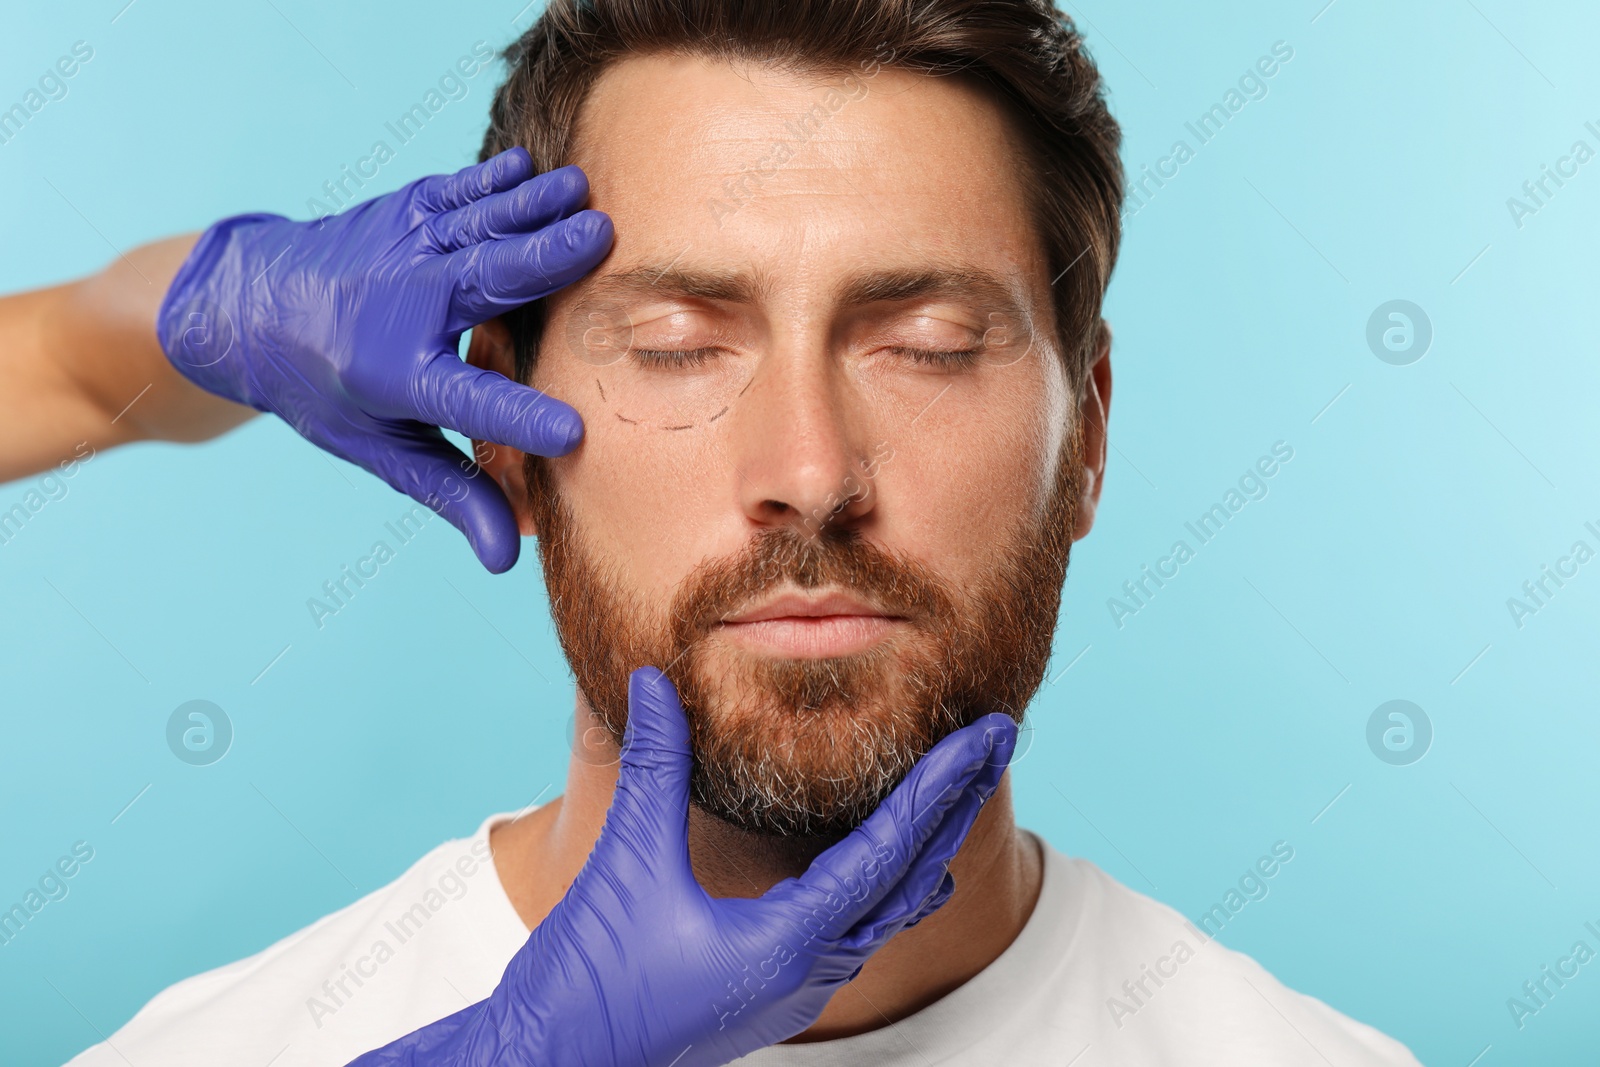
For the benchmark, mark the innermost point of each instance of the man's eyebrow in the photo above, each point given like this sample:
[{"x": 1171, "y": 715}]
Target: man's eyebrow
[
  {"x": 975, "y": 285},
  {"x": 671, "y": 280}
]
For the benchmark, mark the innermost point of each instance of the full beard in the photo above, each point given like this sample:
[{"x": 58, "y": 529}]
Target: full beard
[{"x": 808, "y": 748}]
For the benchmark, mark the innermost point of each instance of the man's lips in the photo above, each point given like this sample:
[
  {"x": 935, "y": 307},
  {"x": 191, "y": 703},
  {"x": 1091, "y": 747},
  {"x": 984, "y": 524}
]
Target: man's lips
[
  {"x": 801, "y": 606},
  {"x": 801, "y": 626}
]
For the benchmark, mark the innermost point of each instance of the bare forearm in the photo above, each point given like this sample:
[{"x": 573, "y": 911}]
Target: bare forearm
[{"x": 80, "y": 362}]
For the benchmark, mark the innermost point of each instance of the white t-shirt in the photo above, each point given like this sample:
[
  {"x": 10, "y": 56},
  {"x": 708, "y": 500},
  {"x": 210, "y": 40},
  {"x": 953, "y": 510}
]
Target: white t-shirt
[{"x": 438, "y": 938}]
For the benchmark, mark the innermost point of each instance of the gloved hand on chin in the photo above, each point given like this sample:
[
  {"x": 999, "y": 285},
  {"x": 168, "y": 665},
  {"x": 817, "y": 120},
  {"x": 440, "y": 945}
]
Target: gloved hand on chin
[{"x": 638, "y": 966}]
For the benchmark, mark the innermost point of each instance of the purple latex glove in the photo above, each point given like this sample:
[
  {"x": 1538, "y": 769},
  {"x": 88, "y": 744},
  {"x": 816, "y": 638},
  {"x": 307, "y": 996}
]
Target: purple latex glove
[
  {"x": 348, "y": 327},
  {"x": 638, "y": 966}
]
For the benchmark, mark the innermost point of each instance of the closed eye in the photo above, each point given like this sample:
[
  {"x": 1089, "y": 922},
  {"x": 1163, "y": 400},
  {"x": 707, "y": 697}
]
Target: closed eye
[
  {"x": 950, "y": 359},
  {"x": 650, "y": 357}
]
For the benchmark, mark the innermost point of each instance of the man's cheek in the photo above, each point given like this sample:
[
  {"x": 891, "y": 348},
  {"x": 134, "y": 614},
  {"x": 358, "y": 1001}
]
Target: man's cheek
[
  {"x": 955, "y": 521},
  {"x": 650, "y": 515}
]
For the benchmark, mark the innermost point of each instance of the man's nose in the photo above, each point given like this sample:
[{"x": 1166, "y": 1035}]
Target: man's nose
[{"x": 799, "y": 446}]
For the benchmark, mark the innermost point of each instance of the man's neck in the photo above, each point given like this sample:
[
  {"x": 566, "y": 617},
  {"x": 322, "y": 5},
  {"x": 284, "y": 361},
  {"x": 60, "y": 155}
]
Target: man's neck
[{"x": 997, "y": 872}]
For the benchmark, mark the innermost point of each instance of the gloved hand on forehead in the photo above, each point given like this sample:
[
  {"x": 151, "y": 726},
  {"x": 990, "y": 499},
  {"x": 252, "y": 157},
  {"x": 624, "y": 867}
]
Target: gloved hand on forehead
[
  {"x": 348, "y": 327},
  {"x": 638, "y": 966}
]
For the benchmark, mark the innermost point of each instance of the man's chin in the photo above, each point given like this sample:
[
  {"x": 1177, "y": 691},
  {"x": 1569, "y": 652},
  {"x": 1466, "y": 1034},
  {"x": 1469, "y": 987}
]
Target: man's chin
[
  {"x": 807, "y": 821},
  {"x": 807, "y": 758},
  {"x": 813, "y": 833}
]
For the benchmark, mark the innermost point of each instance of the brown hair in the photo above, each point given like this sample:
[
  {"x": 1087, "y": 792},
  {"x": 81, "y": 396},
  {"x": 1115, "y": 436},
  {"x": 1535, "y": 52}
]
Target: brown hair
[{"x": 1028, "y": 53}]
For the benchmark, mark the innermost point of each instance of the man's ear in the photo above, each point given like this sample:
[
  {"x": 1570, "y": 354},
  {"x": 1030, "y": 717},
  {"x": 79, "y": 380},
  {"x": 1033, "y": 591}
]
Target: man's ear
[
  {"x": 490, "y": 348},
  {"x": 1094, "y": 408}
]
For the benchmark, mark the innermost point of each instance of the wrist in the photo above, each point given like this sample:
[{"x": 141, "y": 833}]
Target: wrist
[{"x": 203, "y": 316}]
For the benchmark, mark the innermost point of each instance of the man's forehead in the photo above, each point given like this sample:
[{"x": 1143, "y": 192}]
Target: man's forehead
[
  {"x": 749, "y": 164},
  {"x": 750, "y": 185}
]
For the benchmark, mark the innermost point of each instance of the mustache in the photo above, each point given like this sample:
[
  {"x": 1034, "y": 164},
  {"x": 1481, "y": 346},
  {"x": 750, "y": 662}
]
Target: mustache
[{"x": 717, "y": 589}]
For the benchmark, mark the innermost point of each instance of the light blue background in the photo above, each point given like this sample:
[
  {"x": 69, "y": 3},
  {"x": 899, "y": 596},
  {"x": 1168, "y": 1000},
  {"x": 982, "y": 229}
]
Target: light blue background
[{"x": 1223, "y": 717}]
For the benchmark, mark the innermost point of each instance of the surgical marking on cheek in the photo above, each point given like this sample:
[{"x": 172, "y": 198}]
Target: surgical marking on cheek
[
  {"x": 687, "y": 426},
  {"x": 600, "y": 387},
  {"x": 721, "y": 413},
  {"x": 624, "y": 418}
]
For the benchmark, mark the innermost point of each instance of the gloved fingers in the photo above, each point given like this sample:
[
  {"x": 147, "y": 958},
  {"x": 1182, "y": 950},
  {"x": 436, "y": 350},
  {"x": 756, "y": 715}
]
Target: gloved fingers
[
  {"x": 446, "y": 192},
  {"x": 649, "y": 814},
  {"x": 436, "y": 474},
  {"x": 655, "y": 744},
  {"x": 902, "y": 909},
  {"x": 945, "y": 840},
  {"x": 497, "y": 276},
  {"x": 924, "y": 890},
  {"x": 927, "y": 871},
  {"x": 864, "y": 867},
  {"x": 908, "y": 900},
  {"x": 487, "y": 406},
  {"x": 918, "y": 893},
  {"x": 535, "y": 203}
]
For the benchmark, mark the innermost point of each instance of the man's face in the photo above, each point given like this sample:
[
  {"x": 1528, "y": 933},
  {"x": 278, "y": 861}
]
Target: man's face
[{"x": 829, "y": 472}]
